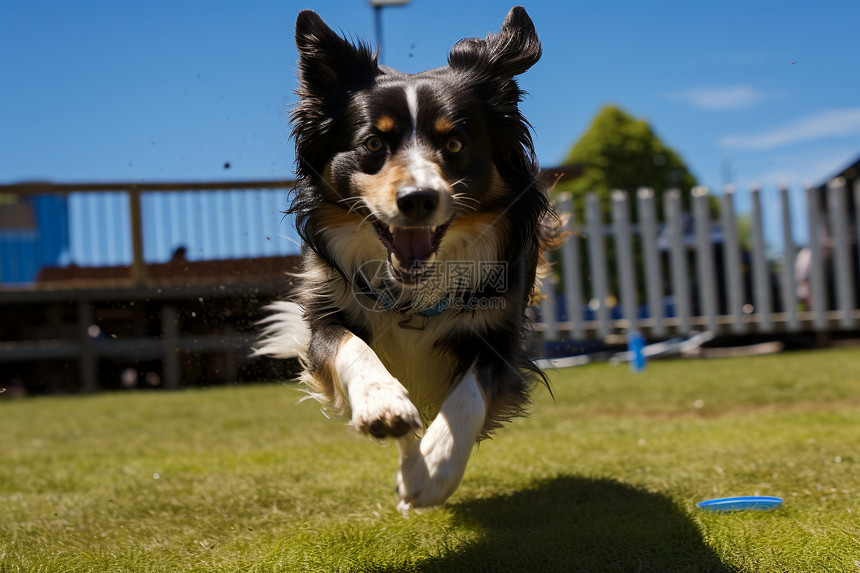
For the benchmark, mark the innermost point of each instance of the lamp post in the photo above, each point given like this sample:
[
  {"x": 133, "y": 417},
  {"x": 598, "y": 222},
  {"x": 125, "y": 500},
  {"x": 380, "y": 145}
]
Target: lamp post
[{"x": 378, "y": 5}]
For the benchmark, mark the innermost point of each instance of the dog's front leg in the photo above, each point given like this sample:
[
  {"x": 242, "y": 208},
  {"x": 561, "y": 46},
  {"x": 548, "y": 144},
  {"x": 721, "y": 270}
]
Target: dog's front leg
[
  {"x": 379, "y": 403},
  {"x": 431, "y": 468}
]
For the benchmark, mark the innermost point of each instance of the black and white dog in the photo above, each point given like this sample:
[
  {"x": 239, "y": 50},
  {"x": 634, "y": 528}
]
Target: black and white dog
[{"x": 423, "y": 225}]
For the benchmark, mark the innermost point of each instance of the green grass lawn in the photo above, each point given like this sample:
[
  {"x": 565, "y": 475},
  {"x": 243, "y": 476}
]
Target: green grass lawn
[{"x": 605, "y": 478}]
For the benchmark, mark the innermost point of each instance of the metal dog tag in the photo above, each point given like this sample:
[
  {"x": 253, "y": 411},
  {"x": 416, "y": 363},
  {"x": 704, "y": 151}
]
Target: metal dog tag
[{"x": 414, "y": 322}]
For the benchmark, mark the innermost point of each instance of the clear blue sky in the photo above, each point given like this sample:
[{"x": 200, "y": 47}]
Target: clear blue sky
[{"x": 167, "y": 90}]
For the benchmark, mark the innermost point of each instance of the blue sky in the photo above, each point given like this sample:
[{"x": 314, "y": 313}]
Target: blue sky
[{"x": 162, "y": 90}]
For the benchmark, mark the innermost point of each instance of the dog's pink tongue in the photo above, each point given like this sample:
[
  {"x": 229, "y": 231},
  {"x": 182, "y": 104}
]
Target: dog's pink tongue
[{"x": 414, "y": 243}]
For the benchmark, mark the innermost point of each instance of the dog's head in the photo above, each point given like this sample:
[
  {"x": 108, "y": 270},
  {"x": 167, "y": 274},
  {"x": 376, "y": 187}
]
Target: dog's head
[{"x": 419, "y": 158}]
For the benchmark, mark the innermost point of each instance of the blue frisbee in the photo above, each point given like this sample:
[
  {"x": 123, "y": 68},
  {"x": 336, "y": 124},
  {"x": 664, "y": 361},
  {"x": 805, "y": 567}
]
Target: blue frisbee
[{"x": 759, "y": 503}]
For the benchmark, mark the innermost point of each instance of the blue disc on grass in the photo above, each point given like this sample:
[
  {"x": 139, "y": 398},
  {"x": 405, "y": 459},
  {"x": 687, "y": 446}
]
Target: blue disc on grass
[{"x": 757, "y": 502}]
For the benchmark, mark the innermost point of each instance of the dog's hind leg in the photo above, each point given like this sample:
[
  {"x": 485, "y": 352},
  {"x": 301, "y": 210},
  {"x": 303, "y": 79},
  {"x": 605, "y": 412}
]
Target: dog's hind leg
[{"x": 431, "y": 468}]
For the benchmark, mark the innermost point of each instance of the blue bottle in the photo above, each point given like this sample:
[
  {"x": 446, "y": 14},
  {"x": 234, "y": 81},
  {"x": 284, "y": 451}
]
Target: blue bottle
[{"x": 636, "y": 346}]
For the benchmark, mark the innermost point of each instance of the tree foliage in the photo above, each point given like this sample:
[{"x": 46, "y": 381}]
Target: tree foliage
[{"x": 618, "y": 151}]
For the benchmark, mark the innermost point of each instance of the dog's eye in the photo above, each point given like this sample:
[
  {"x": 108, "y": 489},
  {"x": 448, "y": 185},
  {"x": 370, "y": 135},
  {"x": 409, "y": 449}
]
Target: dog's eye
[
  {"x": 374, "y": 144},
  {"x": 454, "y": 145}
]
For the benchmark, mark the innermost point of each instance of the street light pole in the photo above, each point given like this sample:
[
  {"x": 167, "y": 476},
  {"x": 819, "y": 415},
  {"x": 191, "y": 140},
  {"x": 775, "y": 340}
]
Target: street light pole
[
  {"x": 377, "y": 18},
  {"x": 377, "y": 21}
]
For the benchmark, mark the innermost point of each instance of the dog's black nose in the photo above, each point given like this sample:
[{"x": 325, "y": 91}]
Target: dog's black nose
[{"x": 417, "y": 204}]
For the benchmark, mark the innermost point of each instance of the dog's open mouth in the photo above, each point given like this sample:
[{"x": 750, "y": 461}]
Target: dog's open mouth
[{"x": 411, "y": 250}]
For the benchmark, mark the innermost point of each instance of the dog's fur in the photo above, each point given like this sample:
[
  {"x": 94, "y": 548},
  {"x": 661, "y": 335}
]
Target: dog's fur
[{"x": 402, "y": 178}]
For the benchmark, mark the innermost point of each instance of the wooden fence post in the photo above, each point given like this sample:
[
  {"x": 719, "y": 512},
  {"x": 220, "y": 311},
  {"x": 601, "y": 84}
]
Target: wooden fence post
[
  {"x": 837, "y": 206},
  {"x": 138, "y": 265},
  {"x": 705, "y": 257},
  {"x": 170, "y": 341},
  {"x": 761, "y": 272},
  {"x": 548, "y": 309},
  {"x": 678, "y": 259},
  {"x": 731, "y": 260},
  {"x": 857, "y": 217},
  {"x": 816, "y": 271},
  {"x": 597, "y": 261},
  {"x": 651, "y": 260},
  {"x": 571, "y": 268},
  {"x": 624, "y": 258},
  {"x": 87, "y": 359},
  {"x": 789, "y": 280}
]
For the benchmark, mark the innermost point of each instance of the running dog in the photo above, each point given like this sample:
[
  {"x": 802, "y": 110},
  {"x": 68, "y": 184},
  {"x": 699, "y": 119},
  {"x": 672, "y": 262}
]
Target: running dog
[{"x": 423, "y": 224}]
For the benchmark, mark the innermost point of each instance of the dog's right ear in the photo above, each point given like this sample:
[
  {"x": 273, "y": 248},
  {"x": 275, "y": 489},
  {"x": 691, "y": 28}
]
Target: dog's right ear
[
  {"x": 327, "y": 62},
  {"x": 509, "y": 53}
]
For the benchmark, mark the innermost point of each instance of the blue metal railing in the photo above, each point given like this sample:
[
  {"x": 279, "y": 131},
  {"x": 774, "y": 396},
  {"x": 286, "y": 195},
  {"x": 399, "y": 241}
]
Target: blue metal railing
[{"x": 99, "y": 225}]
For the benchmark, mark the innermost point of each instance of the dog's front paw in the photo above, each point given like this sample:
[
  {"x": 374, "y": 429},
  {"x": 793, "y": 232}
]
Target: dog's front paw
[
  {"x": 385, "y": 411},
  {"x": 430, "y": 471}
]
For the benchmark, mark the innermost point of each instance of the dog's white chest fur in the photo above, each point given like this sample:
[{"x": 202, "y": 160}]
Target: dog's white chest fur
[{"x": 409, "y": 355}]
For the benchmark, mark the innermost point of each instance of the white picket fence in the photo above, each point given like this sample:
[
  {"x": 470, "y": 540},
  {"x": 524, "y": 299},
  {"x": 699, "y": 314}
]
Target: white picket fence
[{"x": 702, "y": 279}]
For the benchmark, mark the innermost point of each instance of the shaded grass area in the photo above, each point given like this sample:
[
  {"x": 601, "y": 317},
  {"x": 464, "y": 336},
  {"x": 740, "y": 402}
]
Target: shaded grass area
[{"x": 603, "y": 479}]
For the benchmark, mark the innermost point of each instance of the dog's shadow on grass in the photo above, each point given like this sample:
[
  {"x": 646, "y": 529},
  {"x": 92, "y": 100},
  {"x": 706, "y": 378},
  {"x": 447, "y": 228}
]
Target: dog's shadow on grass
[{"x": 579, "y": 524}]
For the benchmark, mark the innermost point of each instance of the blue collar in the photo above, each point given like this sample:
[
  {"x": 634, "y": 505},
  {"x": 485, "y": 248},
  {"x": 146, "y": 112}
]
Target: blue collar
[
  {"x": 388, "y": 301},
  {"x": 439, "y": 308}
]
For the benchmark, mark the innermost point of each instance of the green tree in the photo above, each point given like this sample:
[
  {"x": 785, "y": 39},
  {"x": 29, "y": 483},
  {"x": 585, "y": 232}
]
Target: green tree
[{"x": 618, "y": 151}]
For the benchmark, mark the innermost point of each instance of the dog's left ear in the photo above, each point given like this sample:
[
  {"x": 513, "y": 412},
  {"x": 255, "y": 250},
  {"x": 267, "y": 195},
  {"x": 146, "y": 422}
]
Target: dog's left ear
[
  {"x": 509, "y": 53},
  {"x": 327, "y": 62},
  {"x": 329, "y": 66}
]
